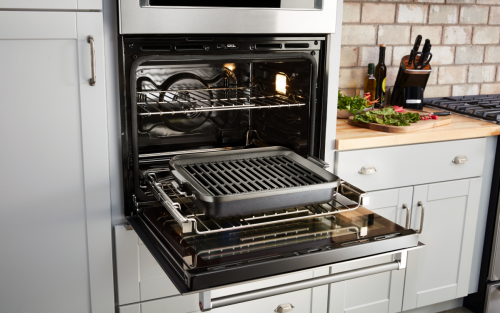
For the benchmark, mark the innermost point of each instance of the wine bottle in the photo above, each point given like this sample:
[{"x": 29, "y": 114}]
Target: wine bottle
[
  {"x": 380, "y": 76},
  {"x": 370, "y": 83}
]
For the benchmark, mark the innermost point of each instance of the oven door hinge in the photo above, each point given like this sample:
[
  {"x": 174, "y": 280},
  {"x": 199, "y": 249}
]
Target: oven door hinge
[
  {"x": 135, "y": 204},
  {"x": 318, "y": 162}
]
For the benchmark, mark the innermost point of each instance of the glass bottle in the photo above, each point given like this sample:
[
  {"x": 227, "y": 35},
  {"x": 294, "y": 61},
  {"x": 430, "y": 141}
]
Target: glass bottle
[
  {"x": 380, "y": 76},
  {"x": 370, "y": 83}
]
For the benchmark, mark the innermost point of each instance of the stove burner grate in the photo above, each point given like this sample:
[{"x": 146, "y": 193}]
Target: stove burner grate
[{"x": 485, "y": 107}]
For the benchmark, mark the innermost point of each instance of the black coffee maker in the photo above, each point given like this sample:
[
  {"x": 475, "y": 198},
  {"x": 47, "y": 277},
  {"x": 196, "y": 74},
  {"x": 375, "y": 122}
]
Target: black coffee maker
[{"x": 414, "y": 72}]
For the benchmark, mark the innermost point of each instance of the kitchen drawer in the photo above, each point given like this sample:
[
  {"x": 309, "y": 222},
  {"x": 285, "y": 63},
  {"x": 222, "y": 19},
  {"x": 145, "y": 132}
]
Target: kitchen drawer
[
  {"x": 412, "y": 164},
  {"x": 301, "y": 301}
]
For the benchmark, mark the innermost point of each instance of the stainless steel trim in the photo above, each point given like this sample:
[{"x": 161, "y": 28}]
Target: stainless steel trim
[
  {"x": 90, "y": 40},
  {"x": 420, "y": 204},
  {"x": 413, "y": 101},
  {"x": 394, "y": 253},
  {"x": 139, "y": 18},
  {"x": 300, "y": 285},
  {"x": 318, "y": 162},
  {"x": 405, "y": 206},
  {"x": 492, "y": 298}
]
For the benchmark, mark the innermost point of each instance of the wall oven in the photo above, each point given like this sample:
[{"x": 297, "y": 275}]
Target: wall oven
[{"x": 223, "y": 143}]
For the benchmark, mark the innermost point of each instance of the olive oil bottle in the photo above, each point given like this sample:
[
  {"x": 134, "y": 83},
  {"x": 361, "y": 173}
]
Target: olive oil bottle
[{"x": 370, "y": 83}]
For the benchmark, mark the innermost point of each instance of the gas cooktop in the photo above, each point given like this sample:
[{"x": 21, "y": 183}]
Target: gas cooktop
[{"x": 485, "y": 107}]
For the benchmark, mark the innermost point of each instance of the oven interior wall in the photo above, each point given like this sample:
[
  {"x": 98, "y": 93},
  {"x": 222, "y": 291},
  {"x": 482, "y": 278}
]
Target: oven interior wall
[{"x": 224, "y": 128}]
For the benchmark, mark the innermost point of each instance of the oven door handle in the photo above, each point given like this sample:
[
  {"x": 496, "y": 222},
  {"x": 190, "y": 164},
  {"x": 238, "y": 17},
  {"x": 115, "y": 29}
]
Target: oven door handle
[{"x": 207, "y": 303}]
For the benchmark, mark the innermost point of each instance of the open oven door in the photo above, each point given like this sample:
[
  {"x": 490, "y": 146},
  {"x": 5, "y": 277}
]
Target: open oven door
[{"x": 199, "y": 253}]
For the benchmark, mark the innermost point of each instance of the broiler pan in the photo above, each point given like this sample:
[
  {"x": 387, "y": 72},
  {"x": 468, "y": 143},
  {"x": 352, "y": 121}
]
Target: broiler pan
[{"x": 252, "y": 181}]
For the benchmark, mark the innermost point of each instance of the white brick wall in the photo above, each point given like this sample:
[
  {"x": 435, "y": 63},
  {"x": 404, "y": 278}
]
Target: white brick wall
[{"x": 465, "y": 37}]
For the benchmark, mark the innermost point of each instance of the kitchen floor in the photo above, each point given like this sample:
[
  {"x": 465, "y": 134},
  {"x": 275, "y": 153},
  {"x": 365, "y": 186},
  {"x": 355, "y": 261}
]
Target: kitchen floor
[{"x": 458, "y": 310}]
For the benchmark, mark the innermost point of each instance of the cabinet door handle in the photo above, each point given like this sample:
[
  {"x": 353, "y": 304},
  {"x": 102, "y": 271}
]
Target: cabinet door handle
[
  {"x": 461, "y": 159},
  {"x": 405, "y": 207},
  {"x": 283, "y": 308},
  {"x": 420, "y": 204},
  {"x": 90, "y": 40},
  {"x": 367, "y": 170}
]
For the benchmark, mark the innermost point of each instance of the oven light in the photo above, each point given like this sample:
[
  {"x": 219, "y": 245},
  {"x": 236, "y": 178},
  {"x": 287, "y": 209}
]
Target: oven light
[{"x": 281, "y": 83}]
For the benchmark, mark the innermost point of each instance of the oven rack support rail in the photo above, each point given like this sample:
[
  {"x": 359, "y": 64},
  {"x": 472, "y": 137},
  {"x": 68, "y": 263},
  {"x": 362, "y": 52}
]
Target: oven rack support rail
[
  {"x": 193, "y": 101},
  {"x": 189, "y": 222}
]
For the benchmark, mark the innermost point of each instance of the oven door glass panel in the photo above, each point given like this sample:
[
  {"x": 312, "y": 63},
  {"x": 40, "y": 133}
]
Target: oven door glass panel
[{"x": 270, "y": 241}]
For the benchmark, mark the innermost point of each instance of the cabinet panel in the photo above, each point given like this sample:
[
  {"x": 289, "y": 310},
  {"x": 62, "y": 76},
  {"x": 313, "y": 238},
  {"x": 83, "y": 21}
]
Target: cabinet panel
[
  {"x": 38, "y": 25},
  {"x": 390, "y": 204},
  {"x": 55, "y": 206},
  {"x": 39, "y": 4},
  {"x": 379, "y": 293},
  {"x": 424, "y": 163},
  {"x": 51, "y": 4},
  {"x": 441, "y": 270}
]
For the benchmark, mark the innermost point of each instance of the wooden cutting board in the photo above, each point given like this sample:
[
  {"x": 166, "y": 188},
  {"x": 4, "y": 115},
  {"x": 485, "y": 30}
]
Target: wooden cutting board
[{"x": 420, "y": 125}]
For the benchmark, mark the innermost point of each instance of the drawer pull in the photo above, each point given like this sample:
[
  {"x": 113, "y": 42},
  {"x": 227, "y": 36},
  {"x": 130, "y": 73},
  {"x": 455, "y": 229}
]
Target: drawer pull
[
  {"x": 367, "y": 170},
  {"x": 405, "y": 207},
  {"x": 283, "y": 308},
  {"x": 461, "y": 159}
]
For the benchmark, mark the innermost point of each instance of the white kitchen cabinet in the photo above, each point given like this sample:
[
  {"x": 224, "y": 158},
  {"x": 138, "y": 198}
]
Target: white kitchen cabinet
[
  {"x": 51, "y": 4},
  {"x": 54, "y": 198},
  {"x": 441, "y": 271},
  {"x": 383, "y": 292}
]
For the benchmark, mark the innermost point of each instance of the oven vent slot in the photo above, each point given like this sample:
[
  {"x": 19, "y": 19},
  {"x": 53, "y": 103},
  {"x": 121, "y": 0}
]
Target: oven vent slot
[
  {"x": 156, "y": 48},
  {"x": 267, "y": 46},
  {"x": 296, "y": 45},
  {"x": 190, "y": 47}
]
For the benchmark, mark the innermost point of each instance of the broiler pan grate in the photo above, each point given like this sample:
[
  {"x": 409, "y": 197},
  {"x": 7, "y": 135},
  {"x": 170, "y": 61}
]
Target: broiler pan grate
[
  {"x": 250, "y": 181},
  {"x": 251, "y": 175}
]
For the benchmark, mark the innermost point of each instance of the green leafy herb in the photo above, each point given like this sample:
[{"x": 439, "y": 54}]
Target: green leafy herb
[
  {"x": 352, "y": 104},
  {"x": 387, "y": 116}
]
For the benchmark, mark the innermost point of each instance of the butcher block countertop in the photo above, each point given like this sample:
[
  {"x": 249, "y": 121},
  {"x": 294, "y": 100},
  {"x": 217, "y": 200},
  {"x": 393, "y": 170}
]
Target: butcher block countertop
[{"x": 351, "y": 137}]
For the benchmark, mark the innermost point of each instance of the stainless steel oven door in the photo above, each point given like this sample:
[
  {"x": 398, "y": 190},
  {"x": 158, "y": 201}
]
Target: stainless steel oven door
[{"x": 163, "y": 17}]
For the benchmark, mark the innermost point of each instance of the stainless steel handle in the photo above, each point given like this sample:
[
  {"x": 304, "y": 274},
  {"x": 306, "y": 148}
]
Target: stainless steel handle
[
  {"x": 207, "y": 303},
  {"x": 90, "y": 40},
  {"x": 405, "y": 207},
  {"x": 367, "y": 170},
  {"x": 461, "y": 159},
  {"x": 420, "y": 204}
]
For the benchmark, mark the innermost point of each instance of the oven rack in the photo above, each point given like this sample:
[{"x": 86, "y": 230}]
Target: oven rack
[
  {"x": 192, "y": 220},
  {"x": 193, "y": 101}
]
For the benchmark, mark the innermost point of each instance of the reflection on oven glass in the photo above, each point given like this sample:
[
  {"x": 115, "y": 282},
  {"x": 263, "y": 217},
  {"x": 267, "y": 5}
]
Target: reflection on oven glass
[{"x": 261, "y": 241}]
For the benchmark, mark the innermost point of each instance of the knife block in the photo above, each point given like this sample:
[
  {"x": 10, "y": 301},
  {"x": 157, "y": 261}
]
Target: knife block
[{"x": 410, "y": 84}]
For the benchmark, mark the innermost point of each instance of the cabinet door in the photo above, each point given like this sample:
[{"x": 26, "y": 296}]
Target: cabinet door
[
  {"x": 441, "y": 270},
  {"x": 391, "y": 204},
  {"x": 51, "y": 4},
  {"x": 379, "y": 293},
  {"x": 54, "y": 196}
]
